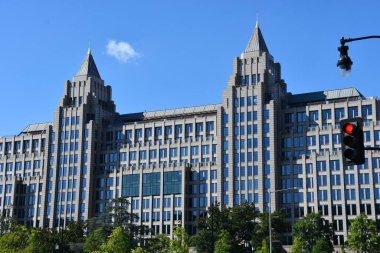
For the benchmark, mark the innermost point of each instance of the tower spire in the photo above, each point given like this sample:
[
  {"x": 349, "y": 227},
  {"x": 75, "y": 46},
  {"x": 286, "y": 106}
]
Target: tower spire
[
  {"x": 256, "y": 43},
  {"x": 88, "y": 67}
]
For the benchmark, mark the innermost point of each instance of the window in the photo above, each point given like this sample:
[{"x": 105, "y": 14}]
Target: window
[
  {"x": 151, "y": 184},
  {"x": 326, "y": 114},
  {"x": 168, "y": 130},
  {"x": 311, "y": 140},
  {"x": 339, "y": 113},
  {"x": 353, "y": 112},
  {"x": 266, "y": 114},
  {"x": 324, "y": 139},
  {"x": 321, "y": 166},
  {"x": 253, "y": 79},
  {"x": 177, "y": 130},
  {"x": 225, "y": 119},
  {"x": 266, "y": 128},
  {"x": 131, "y": 184},
  {"x": 313, "y": 116},
  {"x": 188, "y": 129},
  {"x": 334, "y": 165},
  {"x": 163, "y": 153},
  {"x": 366, "y": 110},
  {"x": 209, "y": 126},
  {"x": 172, "y": 182},
  {"x": 148, "y": 132},
  {"x": 336, "y": 138},
  {"x": 184, "y": 151},
  {"x": 198, "y": 127},
  {"x": 367, "y": 136},
  {"x": 301, "y": 117}
]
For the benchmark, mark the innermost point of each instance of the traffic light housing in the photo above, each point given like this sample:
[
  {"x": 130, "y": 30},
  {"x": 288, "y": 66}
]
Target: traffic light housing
[{"x": 352, "y": 141}]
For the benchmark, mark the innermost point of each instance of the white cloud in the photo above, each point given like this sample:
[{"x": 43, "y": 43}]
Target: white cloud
[{"x": 121, "y": 50}]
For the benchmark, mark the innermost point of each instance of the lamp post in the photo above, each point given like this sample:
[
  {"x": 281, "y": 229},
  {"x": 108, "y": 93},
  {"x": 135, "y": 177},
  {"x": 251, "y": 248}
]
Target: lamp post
[
  {"x": 270, "y": 213},
  {"x": 344, "y": 63}
]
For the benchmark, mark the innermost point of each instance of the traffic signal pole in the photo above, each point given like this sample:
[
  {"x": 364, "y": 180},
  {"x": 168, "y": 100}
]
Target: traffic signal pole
[{"x": 371, "y": 148}]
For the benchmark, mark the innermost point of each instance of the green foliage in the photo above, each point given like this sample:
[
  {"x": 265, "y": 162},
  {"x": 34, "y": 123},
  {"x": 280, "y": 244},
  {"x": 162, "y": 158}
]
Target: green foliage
[
  {"x": 203, "y": 240},
  {"x": 239, "y": 221},
  {"x": 363, "y": 235},
  {"x": 264, "y": 247},
  {"x": 312, "y": 228},
  {"x": 14, "y": 241},
  {"x": 223, "y": 245},
  {"x": 322, "y": 246},
  {"x": 261, "y": 230},
  {"x": 120, "y": 241},
  {"x": 94, "y": 240},
  {"x": 159, "y": 244},
  {"x": 40, "y": 241},
  {"x": 6, "y": 224},
  {"x": 297, "y": 245},
  {"x": 74, "y": 232},
  {"x": 180, "y": 242},
  {"x": 139, "y": 250}
]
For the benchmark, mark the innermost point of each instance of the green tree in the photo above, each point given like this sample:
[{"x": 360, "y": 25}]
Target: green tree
[
  {"x": 239, "y": 221},
  {"x": 180, "y": 241},
  {"x": 322, "y": 246},
  {"x": 159, "y": 244},
  {"x": 297, "y": 245},
  {"x": 72, "y": 236},
  {"x": 139, "y": 250},
  {"x": 363, "y": 235},
  {"x": 14, "y": 241},
  {"x": 242, "y": 225},
  {"x": 120, "y": 241},
  {"x": 117, "y": 214},
  {"x": 223, "y": 244},
  {"x": 94, "y": 240},
  {"x": 6, "y": 223},
  {"x": 74, "y": 232},
  {"x": 261, "y": 230},
  {"x": 312, "y": 228},
  {"x": 40, "y": 241},
  {"x": 203, "y": 241},
  {"x": 264, "y": 247}
]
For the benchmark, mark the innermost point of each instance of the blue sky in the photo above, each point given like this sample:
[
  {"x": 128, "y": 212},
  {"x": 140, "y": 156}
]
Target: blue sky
[{"x": 180, "y": 52}]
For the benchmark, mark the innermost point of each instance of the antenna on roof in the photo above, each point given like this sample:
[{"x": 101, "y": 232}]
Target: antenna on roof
[{"x": 257, "y": 20}]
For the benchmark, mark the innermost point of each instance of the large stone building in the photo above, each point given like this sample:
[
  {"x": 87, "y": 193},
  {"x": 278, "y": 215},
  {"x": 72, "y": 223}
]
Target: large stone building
[{"x": 172, "y": 164}]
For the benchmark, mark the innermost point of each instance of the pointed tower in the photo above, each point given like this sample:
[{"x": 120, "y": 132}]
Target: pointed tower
[
  {"x": 84, "y": 112},
  {"x": 256, "y": 43},
  {"x": 88, "y": 67},
  {"x": 250, "y": 126}
]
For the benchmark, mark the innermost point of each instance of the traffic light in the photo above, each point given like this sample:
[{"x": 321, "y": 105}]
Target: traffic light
[{"x": 352, "y": 141}]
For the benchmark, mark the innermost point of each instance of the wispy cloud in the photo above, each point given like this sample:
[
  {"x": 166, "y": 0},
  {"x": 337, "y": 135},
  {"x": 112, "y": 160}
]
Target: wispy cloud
[{"x": 121, "y": 50}]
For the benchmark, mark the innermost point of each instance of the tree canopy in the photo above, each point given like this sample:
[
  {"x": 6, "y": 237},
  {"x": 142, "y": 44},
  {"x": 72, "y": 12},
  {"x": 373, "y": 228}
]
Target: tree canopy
[
  {"x": 312, "y": 228},
  {"x": 363, "y": 235}
]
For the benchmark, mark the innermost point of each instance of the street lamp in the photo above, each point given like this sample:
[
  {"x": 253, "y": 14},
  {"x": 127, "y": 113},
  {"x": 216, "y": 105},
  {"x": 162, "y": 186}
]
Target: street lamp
[
  {"x": 344, "y": 63},
  {"x": 270, "y": 213}
]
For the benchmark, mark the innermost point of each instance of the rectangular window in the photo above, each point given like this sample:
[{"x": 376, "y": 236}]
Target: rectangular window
[
  {"x": 339, "y": 113},
  {"x": 188, "y": 129},
  {"x": 313, "y": 116},
  {"x": 366, "y": 110},
  {"x": 151, "y": 184},
  {"x": 326, "y": 114},
  {"x": 177, "y": 130},
  {"x": 172, "y": 182},
  {"x": 353, "y": 112},
  {"x": 131, "y": 185}
]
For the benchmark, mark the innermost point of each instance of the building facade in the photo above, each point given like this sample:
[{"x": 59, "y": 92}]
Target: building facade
[{"x": 173, "y": 164}]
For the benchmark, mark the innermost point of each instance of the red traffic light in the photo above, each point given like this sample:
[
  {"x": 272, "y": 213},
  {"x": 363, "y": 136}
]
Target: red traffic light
[{"x": 349, "y": 128}]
